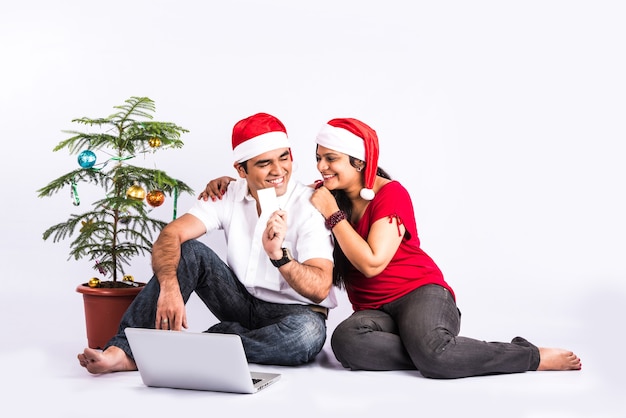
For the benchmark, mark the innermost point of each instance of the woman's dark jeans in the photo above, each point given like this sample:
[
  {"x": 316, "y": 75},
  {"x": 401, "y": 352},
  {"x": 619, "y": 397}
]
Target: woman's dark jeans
[{"x": 421, "y": 331}]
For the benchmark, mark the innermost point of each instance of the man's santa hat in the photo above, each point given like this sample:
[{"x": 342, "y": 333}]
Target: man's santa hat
[
  {"x": 257, "y": 134},
  {"x": 353, "y": 137}
]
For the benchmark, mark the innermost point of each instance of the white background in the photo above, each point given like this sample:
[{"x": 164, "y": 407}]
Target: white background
[{"x": 505, "y": 120}]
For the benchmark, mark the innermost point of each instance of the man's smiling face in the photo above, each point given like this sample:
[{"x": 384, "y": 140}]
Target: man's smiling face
[{"x": 270, "y": 169}]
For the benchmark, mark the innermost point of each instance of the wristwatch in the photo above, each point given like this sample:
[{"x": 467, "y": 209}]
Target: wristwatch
[{"x": 284, "y": 260}]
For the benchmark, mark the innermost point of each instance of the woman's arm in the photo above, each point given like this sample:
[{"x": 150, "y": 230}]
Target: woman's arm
[{"x": 370, "y": 257}]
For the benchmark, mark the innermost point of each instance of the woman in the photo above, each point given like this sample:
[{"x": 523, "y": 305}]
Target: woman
[{"x": 405, "y": 314}]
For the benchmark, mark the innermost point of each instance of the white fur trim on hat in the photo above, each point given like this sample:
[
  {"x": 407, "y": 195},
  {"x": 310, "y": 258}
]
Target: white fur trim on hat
[
  {"x": 260, "y": 144},
  {"x": 341, "y": 140}
]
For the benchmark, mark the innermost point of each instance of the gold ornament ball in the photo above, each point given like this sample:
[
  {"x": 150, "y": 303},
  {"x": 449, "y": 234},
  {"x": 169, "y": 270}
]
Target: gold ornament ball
[
  {"x": 128, "y": 278},
  {"x": 136, "y": 192},
  {"x": 155, "y": 198},
  {"x": 154, "y": 142},
  {"x": 94, "y": 282}
]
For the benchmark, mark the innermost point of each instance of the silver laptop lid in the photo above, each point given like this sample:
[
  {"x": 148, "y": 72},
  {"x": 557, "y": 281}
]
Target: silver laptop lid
[{"x": 188, "y": 360}]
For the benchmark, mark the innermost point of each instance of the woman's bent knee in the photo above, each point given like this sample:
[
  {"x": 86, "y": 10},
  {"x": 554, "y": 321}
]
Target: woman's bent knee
[{"x": 433, "y": 360}]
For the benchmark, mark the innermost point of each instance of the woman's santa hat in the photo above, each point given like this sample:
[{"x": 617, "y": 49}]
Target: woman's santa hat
[
  {"x": 355, "y": 138},
  {"x": 257, "y": 134}
]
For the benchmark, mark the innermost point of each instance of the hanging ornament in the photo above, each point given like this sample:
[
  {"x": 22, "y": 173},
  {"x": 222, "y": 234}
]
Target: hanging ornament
[
  {"x": 94, "y": 282},
  {"x": 175, "y": 201},
  {"x": 86, "y": 225},
  {"x": 154, "y": 142},
  {"x": 87, "y": 159},
  {"x": 100, "y": 269},
  {"x": 155, "y": 198},
  {"x": 125, "y": 217},
  {"x": 74, "y": 192},
  {"x": 136, "y": 192}
]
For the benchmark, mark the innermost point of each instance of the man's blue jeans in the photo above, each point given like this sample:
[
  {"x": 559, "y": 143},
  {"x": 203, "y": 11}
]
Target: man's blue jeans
[
  {"x": 421, "y": 331},
  {"x": 272, "y": 333}
]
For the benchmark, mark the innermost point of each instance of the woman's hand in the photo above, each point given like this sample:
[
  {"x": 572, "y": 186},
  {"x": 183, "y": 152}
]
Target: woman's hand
[
  {"x": 215, "y": 189},
  {"x": 324, "y": 201}
]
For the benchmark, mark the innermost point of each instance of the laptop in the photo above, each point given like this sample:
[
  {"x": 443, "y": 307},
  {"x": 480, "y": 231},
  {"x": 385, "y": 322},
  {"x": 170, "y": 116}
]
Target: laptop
[{"x": 199, "y": 361}]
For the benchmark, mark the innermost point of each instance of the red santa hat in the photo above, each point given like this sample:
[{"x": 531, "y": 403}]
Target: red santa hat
[
  {"x": 257, "y": 134},
  {"x": 355, "y": 138}
]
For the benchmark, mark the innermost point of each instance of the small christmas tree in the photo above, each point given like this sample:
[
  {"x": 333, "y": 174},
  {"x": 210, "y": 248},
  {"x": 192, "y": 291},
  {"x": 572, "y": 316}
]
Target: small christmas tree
[{"x": 118, "y": 227}]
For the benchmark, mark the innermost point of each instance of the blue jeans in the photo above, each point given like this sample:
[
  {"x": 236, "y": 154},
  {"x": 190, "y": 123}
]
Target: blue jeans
[
  {"x": 272, "y": 333},
  {"x": 421, "y": 331}
]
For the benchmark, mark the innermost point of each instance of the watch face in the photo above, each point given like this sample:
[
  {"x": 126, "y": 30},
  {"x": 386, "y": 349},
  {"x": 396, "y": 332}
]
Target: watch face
[{"x": 287, "y": 254}]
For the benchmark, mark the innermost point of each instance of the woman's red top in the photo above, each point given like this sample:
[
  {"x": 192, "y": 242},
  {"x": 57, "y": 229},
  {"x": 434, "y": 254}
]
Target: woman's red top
[{"x": 409, "y": 268}]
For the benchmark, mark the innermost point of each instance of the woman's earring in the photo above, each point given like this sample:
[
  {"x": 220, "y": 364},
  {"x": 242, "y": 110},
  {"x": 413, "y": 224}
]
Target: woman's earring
[{"x": 359, "y": 169}]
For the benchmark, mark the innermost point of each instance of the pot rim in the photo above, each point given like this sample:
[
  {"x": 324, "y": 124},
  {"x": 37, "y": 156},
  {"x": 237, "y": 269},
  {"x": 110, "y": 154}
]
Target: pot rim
[{"x": 108, "y": 291}]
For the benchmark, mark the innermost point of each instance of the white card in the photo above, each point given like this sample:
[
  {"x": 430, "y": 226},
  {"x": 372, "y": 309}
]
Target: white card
[{"x": 268, "y": 200}]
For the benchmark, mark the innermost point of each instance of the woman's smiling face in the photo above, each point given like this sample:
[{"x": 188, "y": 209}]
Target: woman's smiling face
[{"x": 336, "y": 170}]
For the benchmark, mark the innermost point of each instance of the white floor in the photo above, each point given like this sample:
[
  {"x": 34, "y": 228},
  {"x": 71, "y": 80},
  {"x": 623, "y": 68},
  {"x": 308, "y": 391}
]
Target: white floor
[{"x": 41, "y": 376}]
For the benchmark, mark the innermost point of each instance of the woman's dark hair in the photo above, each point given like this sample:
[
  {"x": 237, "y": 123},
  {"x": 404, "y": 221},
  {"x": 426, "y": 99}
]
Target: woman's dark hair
[{"x": 342, "y": 265}]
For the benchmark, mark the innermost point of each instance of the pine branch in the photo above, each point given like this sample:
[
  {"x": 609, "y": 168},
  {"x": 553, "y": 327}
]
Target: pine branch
[
  {"x": 100, "y": 178},
  {"x": 82, "y": 140},
  {"x": 135, "y": 106}
]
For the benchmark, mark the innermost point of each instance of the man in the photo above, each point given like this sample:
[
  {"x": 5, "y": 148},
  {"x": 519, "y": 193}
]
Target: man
[{"x": 275, "y": 288}]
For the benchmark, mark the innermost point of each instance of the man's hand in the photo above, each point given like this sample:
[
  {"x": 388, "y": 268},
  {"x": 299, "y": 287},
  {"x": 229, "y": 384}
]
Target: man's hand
[
  {"x": 171, "y": 312},
  {"x": 274, "y": 234}
]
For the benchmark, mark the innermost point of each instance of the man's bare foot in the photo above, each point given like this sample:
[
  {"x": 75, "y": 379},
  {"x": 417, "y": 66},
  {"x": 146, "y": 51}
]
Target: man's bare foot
[
  {"x": 558, "y": 359},
  {"x": 113, "y": 359}
]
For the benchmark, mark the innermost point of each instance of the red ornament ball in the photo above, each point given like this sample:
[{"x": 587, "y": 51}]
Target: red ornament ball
[{"x": 155, "y": 198}]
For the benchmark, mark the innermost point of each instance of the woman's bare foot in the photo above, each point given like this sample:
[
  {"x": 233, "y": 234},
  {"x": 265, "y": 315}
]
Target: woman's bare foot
[
  {"x": 113, "y": 359},
  {"x": 558, "y": 359}
]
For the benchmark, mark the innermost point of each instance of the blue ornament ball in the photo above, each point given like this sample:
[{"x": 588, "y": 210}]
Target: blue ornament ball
[{"x": 87, "y": 159}]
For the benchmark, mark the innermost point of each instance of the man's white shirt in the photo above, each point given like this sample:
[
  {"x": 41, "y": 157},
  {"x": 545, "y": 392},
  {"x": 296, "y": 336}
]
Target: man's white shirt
[{"x": 236, "y": 214}]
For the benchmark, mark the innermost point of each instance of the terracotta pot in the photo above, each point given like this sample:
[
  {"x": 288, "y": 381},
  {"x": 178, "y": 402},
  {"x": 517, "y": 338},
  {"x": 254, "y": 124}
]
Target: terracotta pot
[{"x": 104, "y": 308}]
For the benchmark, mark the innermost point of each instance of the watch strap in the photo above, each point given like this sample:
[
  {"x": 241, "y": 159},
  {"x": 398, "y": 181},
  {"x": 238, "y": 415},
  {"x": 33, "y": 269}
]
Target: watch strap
[{"x": 284, "y": 260}]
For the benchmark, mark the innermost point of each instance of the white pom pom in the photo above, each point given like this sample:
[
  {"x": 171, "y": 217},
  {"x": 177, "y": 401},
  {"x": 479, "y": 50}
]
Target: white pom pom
[{"x": 367, "y": 194}]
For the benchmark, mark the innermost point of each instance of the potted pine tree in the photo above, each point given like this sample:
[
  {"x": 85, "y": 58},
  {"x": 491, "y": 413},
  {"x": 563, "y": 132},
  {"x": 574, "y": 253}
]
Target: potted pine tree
[{"x": 119, "y": 225}]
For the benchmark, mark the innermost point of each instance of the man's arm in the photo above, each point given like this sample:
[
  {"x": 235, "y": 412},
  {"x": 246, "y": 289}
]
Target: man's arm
[
  {"x": 312, "y": 278},
  {"x": 165, "y": 257}
]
